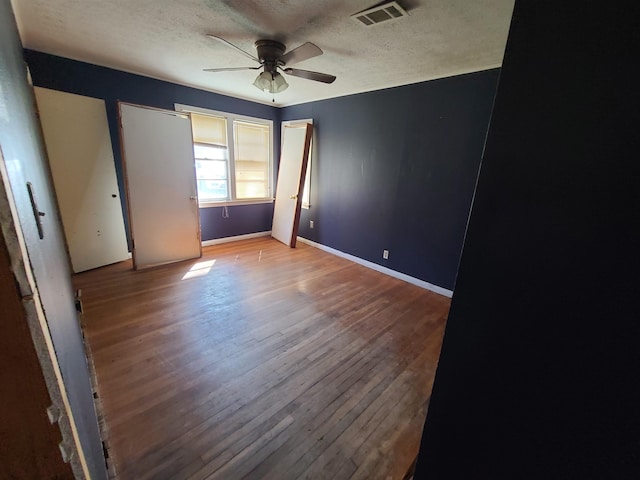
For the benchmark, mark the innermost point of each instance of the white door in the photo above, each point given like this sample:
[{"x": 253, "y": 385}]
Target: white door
[
  {"x": 161, "y": 185},
  {"x": 296, "y": 141},
  {"x": 76, "y": 135}
]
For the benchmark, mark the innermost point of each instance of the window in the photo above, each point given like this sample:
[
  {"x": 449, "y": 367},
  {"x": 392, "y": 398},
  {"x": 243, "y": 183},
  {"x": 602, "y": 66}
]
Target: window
[
  {"x": 233, "y": 157},
  {"x": 252, "y": 159},
  {"x": 306, "y": 191},
  {"x": 211, "y": 152}
]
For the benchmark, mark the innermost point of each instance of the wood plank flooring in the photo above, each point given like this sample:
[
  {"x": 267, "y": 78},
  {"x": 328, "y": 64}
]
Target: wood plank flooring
[{"x": 259, "y": 361}]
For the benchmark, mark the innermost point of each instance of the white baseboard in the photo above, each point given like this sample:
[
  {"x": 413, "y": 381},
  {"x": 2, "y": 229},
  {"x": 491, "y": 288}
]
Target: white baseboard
[
  {"x": 380, "y": 268},
  {"x": 218, "y": 241}
]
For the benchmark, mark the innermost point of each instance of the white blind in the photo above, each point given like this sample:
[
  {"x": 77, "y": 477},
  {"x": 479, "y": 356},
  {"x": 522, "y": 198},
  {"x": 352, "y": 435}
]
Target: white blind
[
  {"x": 252, "y": 160},
  {"x": 209, "y": 129},
  {"x": 252, "y": 142}
]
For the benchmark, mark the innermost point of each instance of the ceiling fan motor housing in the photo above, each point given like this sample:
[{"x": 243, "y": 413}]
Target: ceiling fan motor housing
[{"x": 269, "y": 53}]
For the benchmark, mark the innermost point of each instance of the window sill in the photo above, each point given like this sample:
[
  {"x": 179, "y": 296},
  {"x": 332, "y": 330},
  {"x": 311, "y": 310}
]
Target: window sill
[{"x": 228, "y": 203}]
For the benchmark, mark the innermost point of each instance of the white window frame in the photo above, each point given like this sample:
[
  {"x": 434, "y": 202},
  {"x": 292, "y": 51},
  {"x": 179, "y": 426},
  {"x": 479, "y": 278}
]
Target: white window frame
[{"x": 231, "y": 117}]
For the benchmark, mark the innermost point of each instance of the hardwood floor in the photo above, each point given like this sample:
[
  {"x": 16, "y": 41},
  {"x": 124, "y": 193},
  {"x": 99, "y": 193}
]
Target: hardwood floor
[{"x": 261, "y": 361}]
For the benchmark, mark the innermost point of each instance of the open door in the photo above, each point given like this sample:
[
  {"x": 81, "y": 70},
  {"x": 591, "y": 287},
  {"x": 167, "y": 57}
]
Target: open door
[
  {"x": 296, "y": 141},
  {"x": 162, "y": 202},
  {"x": 76, "y": 135}
]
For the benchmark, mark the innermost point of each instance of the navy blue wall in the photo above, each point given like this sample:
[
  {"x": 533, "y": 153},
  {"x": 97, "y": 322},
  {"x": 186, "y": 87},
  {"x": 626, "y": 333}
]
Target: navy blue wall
[
  {"x": 112, "y": 85},
  {"x": 393, "y": 169},
  {"x": 538, "y": 377},
  {"x": 396, "y": 169}
]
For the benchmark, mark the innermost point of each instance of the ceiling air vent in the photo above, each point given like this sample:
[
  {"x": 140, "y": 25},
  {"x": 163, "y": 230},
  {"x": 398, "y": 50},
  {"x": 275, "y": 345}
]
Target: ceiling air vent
[{"x": 380, "y": 13}]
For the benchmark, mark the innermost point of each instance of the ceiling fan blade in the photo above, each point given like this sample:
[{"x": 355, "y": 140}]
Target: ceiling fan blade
[
  {"x": 222, "y": 40},
  {"x": 303, "y": 52},
  {"x": 230, "y": 69},
  {"x": 309, "y": 75}
]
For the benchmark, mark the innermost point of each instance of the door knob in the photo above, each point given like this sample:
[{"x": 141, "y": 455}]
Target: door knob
[
  {"x": 193, "y": 197},
  {"x": 293, "y": 197}
]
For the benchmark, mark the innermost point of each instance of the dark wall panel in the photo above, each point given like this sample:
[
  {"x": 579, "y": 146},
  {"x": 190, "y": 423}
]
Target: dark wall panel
[
  {"x": 395, "y": 169},
  {"x": 112, "y": 85},
  {"x": 236, "y": 220},
  {"x": 538, "y": 376}
]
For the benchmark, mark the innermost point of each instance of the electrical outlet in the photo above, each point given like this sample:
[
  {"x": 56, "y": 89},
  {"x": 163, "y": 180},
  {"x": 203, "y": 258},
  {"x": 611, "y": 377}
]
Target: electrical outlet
[
  {"x": 310, "y": 223},
  {"x": 385, "y": 254}
]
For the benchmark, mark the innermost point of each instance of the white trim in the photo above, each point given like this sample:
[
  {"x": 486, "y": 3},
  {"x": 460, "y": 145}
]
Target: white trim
[
  {"x": 179, "y": 107},
  {"x": 229, "y": 203},
  {"x": 218, "y": 241},
  {"x": 380, "y": 268},
  {"x": 296, "y": 122}
]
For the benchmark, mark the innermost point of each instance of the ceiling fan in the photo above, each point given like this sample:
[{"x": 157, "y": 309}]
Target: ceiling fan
[{"x": 272, "y": 57}]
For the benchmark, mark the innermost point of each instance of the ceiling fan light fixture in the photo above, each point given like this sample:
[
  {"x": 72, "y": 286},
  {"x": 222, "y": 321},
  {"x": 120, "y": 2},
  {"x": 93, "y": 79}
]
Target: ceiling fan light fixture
[
  {"x": 263, "y": 81},
  {"x": 272, "y": 83},
  {"x": 279, "y": 84}
]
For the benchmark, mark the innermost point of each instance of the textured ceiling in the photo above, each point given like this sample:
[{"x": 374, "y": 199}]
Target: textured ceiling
[{"x": 166, "y": 39}]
